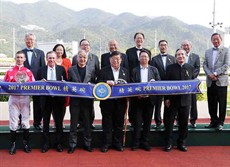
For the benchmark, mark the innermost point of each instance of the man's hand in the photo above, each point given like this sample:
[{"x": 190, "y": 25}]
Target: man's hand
[
  {"x": 110, "y": 82},
  {"x": 212, "y": 77}
]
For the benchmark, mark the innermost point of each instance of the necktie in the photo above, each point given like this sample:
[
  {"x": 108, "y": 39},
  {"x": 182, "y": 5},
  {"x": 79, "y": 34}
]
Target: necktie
[
  {"x": 52, "y": 75},
  {"x": 163, "y": 55},
  {"x": 215, "y": 49}
]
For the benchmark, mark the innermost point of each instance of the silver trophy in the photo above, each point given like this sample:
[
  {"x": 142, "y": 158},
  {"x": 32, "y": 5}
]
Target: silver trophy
[
  {"x": 120, "y": 81},
  {"x": 21, "y": 77}
]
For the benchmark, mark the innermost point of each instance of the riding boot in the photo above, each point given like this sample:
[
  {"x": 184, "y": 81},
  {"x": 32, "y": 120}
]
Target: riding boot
[
  {"x": 26, "y": 140},
  {"x": 12, "y": 140}
]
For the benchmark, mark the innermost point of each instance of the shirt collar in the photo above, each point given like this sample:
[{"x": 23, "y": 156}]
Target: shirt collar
[{"x": 144, "y": 67}]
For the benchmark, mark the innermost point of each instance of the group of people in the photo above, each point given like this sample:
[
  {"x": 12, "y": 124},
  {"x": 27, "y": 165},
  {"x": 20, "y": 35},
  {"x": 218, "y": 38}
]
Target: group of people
[{"x": 137, "y": 65}]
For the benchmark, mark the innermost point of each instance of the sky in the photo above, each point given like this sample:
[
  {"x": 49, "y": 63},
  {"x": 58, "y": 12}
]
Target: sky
[{"x": 188, "y": 11}]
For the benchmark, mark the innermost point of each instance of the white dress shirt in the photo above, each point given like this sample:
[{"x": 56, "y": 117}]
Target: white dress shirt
[
  {"x": 144, "y": 74},
  {"x": 51, "y": 74}
]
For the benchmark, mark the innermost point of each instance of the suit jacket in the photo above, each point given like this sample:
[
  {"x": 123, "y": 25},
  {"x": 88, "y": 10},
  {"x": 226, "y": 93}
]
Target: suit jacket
[
  {"x": 158, "y": 63},
  {"x": 60, "y": 75},
  {"x": 92, "y": 62},
  {"x": 74, "y": 76},
  {"x": 106, "y": 74},
  {"x": 152, "y": 74},
  {"x": 105, "y": 60},
  {"x": 194, "y": 60},
  {"x": 37, "y": 61},
  {"x": 176, "y": 72},
  {"x": 221, "y": 66},
  {"x": 133, "y": 58}
]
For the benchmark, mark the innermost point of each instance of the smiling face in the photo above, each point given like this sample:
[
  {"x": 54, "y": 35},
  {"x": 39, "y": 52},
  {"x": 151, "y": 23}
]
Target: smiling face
[
  {"x": 30, "y": 41},
  {"x": 115, "y": 61},
  {"x": 82, "y": 58},
  {"x": 216, "y": 40},
  {"x": 59, "y": 51},
  {"x": 144, "y": 58},
  {"x": 180, "y": 56},
  {"x": 186, "y": 45},
  {"x": 139, "y": 40},
  {"x": 20, "y": 59},
  {"x": 113, "y": 45},
  {"x": 51, "y": 59},
  {"x": 163, "y": 47},
  {"x": 85, "y": 46}
]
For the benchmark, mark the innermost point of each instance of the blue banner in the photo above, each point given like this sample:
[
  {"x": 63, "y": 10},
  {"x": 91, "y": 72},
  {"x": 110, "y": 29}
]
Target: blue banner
[
  {"x": 54, "y": 88},
  {"x": 101, "y": 90},
  {"x": 156, "y": 88}
]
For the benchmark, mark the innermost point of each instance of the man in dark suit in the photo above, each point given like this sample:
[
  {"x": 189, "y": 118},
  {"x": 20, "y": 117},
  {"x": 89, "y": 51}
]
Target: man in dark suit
[
  {"x": 49, "y": 104},
  {"x": 133, "y": 61},
  {"x": 143, "y": 105},
  {"x": 113, "y": 110},
  {"x": 113, "y": 46},
  {"x": 161, "y": 62},
  {"x": 35, "y": 59},
  {"x": 80, "y": 73},
  {"x": 216, "y": 65},
  {"x": 194, "y": 60},
  {"x": 92, "y": 62},
  {"x": 177, "y": 104}
]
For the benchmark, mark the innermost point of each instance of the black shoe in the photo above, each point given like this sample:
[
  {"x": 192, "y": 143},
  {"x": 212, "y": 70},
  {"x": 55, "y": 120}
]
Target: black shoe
[
  {"x": 71, "y": 150},
  {"x": 12, "y": 149},
  {"x": 134, "y": 148},
  {"x": 119, "y": 148},
  {"x": 157, "y": 126},
  {"x": 59, "y": 148},
  {"x": 27, "y": 148},
  {"x": 104, "y": 149},
  {"x": 92, "y": 126},
  {"x": 37, "y": 127},
  {"x": 88, "y": 148},
  {"x": 146, "y": 147},
  {"x": 176, "y": 125},
  {"x": 193, "y": 125},
  {"x": 168, "y": 148},
  {"x": 79, "y": 126},
  {"x": 182, "y": 148},
  {"x": 210, "y": 126},
  {"x": 219, "y": 127},
  {"x": 45, "y": 148}
]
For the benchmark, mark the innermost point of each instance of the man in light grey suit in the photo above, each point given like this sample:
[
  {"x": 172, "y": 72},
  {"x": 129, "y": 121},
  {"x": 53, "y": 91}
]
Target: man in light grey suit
[
  {"x": 194, "y": 60},
  {"x": 93, "y": 63},
  {"x": 216, "y": 64},
  {"x": 80, "y": 73}
]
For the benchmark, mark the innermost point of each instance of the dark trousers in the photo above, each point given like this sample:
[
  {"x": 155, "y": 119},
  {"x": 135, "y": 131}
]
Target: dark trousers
[
  {"x": 84, "y": 109},
  {"x": 37, "y": 111},
  {"x": 157, "y": 113},
  {"x": 169, "y": 117},
  {"x": 92, "y": 113},
  {"x": 112, "y": 123},
  {"x": 57, "y": 108},
  {"x": 217, "y": 95},
  {"x": 143, "y": 117},
  {"x": 193, "y": 111}
]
